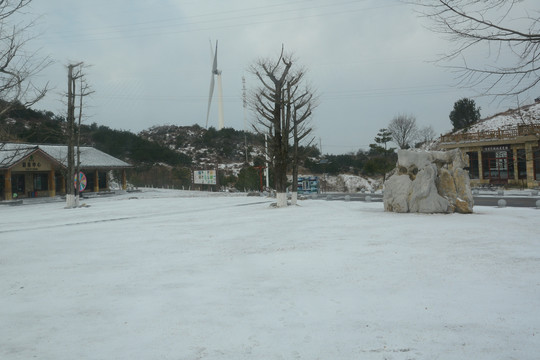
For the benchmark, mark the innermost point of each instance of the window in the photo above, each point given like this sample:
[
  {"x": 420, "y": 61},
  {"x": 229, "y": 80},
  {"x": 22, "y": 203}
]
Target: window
[
  {"x": 473, "y": 165},
  {"x": 17, "y": 184},
  {"x": 521, "y": 164},
  {"x": 498, "y": 165},
  {"x": 41, "y": 182},
  {"x": 89, "y": 180},
  {"x": 102, "y": 180}
]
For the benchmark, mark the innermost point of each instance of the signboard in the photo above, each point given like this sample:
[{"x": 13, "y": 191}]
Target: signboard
[
  {"x": 33, "y": 162},
  {"x": 82, "y": 181},
  {"x": 497, "y": 148},
  {"x": 205, "y": 177}
]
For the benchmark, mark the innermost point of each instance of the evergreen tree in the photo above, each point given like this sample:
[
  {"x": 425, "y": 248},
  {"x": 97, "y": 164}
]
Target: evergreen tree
[
  {"x": 382, "y": 158},
  {"x": 383, "y": 137},
  {"x": 464, "y": 114}
]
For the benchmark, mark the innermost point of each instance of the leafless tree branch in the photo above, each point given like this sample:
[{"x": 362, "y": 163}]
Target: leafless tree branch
[{"x": 493, "y": 24}]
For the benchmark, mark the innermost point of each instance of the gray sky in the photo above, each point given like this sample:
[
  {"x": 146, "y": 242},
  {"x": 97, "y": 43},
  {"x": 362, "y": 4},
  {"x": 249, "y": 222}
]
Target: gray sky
[{"x": 369, "y": 60}]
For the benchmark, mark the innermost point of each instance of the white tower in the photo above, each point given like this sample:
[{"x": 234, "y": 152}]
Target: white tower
[{"x": 215, "y": 73}]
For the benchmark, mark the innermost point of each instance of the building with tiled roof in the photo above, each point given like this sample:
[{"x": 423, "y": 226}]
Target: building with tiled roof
[
  {"x": 503, "y": 149},
  {"x": 28, "y": 170}
]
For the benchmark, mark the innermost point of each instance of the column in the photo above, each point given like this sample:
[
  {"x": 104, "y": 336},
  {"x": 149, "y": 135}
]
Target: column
[
  {"x": 7, "y": 186},
  {"x": 52, "y": 184},
  {"x": 96, "y": 181},
  {"x": 516, "y": 170},
  {"x": 480, "y": 168},
  {"x": 530, "y": 165},
  {"x": 124, "y": 180}
]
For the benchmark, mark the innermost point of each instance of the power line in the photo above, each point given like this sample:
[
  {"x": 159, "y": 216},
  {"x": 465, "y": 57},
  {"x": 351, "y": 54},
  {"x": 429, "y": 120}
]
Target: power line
[{"x": 144, "y": 31}]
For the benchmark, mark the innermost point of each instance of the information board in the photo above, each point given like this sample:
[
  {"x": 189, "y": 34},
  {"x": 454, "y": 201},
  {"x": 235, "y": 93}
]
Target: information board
[{"x": 205, "y": 177}]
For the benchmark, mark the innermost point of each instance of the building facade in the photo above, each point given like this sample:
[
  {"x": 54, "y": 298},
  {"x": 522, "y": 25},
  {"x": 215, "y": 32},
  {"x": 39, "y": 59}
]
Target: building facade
[
  {"x": 508, "y": 156},
  {"x": 40, "y": 170}
]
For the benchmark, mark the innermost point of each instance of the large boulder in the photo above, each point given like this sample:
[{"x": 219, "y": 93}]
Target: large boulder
[
  {"x": 429, "y": 182},
  {"x": 397, "y": 190}
]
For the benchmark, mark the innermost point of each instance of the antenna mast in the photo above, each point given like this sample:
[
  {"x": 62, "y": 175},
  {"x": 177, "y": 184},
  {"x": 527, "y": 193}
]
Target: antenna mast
[{"x": 244, "y": 98}]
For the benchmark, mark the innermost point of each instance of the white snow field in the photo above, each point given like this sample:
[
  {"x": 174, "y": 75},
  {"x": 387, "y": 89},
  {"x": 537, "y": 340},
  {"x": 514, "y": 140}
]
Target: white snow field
[{"x": 182, "y": 275}]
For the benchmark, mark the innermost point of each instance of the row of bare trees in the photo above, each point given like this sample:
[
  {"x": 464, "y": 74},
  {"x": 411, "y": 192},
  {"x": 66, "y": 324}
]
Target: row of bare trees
[{"x": 283, "y": 105}]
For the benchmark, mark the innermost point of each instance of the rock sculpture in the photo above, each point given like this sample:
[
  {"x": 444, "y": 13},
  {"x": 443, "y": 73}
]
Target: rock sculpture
[{"x": 429, "y": 182}]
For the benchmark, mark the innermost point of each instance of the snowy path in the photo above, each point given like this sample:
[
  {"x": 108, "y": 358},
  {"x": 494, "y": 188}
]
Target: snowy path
[{"x": 166, "y": 276}]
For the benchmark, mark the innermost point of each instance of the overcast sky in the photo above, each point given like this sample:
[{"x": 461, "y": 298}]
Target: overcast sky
[{"x": 150, "y": 61}]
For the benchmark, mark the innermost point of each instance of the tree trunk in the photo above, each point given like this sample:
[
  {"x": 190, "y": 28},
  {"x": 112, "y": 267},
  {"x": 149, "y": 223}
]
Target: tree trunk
[
  {"x": 70, "y": 196},
  {"x": 280, "y": 180},
  {"x": 280, "y": 146},
  {"x": 281, "y": 198},
  {"x": 294, "y": 186}
]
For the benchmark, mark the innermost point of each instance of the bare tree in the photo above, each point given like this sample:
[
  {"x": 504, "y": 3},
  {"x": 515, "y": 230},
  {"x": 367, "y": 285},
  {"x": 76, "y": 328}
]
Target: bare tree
[
  {"x": 275, "y": 108},
  {"x": 494, "y": 26},
  {"x": 76, "y": 76},
  {"x": 17, "y": 65},
  {"x": 426, "y": 135},
  {"x": 303, "y": 106},
  {"x": 404, "y": 130}
]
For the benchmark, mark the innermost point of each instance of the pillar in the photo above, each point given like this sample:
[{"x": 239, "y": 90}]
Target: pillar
[
  {"x": 516, "y": 170},
  {"x": 124, "y": 180},
  {"x": 480, "y": 167},
  {"x": 530, "y": 165},
  {"x": 8, "y": 192},
  {"x": 52, "y": 184},
  {"x": 96, "y": 181}
]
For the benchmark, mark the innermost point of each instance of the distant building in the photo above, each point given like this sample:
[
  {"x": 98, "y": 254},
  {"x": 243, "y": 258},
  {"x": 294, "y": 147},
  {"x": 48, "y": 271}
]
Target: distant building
[
  {"x": 40, "y": 170},
  {"x": 503, "y": 149}
]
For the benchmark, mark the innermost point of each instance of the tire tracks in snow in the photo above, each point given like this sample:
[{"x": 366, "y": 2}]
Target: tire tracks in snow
[{"x": 123, "y": 218}]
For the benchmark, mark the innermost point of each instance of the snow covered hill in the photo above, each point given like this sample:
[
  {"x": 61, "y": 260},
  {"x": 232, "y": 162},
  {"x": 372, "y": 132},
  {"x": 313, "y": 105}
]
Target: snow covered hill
[
  {"x": 525, "y": 115},
  {"x": 208, "y": 147}
]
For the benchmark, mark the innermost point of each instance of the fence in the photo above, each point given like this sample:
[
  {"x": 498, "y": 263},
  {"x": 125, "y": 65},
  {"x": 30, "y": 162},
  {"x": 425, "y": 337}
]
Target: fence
[{"x": 521, "y": 130}]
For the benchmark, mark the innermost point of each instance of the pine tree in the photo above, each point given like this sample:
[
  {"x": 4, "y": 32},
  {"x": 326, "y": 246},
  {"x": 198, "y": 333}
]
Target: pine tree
[{"x": 464, "y": 114}]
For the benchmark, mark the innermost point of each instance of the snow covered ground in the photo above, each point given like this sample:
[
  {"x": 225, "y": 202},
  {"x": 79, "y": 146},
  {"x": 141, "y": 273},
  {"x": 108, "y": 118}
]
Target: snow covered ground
[{"x": 168, "y": 274}]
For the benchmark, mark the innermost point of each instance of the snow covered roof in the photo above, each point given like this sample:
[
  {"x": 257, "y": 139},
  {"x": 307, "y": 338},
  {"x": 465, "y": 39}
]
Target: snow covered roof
[
  {"x": 525, "y": 115},
  {"x": 509, "y": 124},
  {"x": 11, "y": 153}
]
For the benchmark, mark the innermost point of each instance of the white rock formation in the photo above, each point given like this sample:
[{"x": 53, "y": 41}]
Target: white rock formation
[{"x": 429, "y": 182}]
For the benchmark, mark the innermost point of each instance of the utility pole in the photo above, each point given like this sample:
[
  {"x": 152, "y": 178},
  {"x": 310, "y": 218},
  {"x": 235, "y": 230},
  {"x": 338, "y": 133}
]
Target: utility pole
[{"x": 244, "y": 96}]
